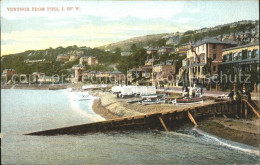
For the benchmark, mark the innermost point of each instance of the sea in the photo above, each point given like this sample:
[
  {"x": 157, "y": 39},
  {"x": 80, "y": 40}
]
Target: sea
[{"x": 26, "y": 111}]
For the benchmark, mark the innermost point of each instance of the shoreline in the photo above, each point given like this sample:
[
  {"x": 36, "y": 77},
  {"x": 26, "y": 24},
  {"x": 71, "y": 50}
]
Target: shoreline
[
  {"x": 119, "y": 107},
  {"x": 101, "y": 110},
  {"x": 242, "y": 131}
]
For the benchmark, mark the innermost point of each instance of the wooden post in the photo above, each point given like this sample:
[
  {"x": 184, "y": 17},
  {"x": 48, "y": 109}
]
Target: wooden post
[
  {"x": 255, "y": 88},
  {"x": 192, "y": 119},
  {"x": 253, "y": 109},
  {"x": 245, "y": 111},
  {"x": 241, "y": 109},
  {"x": 164, "y": 126}
]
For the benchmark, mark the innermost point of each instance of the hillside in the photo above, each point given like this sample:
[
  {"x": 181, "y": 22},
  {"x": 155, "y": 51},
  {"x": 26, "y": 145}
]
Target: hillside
[
  {"x": 243, "y": 32},
  {"x": 141, "y": 41},
  {"x": 45, "y": 60}
]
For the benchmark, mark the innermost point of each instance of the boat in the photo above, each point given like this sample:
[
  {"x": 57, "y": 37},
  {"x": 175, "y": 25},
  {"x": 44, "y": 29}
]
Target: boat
[
  {"x": 193, "y": 95},
  {"x": 187, "y": 100},
  {"x": 152, "y": 99},
  {"x": 149, "y": 101}
]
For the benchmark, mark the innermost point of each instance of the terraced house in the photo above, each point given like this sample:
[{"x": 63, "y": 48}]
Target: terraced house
[
  {"x": 242, "y": 59},
  {"x": 203, "y": 58}
]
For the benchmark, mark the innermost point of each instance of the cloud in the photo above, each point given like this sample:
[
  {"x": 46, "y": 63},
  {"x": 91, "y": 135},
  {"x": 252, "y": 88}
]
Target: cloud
[{"x": 87, "y": 35}]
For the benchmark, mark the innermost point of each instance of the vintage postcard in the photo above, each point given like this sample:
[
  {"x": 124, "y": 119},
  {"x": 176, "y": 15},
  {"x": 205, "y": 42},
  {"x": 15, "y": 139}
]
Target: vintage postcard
[{"x": 130, "y": 82}]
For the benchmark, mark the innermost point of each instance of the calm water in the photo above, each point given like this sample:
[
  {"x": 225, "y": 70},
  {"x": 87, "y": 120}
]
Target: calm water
[{"x": 25, "y": 111}]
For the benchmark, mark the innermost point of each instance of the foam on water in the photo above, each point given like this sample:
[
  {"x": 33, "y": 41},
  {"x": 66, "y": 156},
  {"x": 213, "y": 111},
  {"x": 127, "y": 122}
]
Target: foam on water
[
  {"x": 75, "y": 106},
  {"x": 227, "y": 143}
]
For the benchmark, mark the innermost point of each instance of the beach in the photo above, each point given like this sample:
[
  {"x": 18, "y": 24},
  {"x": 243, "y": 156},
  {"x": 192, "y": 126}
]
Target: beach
[{"x": 109, "y": 106}]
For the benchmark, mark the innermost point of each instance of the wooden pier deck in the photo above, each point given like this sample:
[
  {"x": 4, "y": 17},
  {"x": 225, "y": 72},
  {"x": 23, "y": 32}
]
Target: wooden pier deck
[{"x": 162, "y": 121}]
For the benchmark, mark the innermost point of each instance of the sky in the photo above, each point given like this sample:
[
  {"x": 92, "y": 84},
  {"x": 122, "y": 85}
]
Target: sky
[{"x": 97, "y": 23}]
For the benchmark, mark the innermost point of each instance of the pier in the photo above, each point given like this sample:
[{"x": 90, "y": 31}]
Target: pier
[{"x": 168, "y": 120}]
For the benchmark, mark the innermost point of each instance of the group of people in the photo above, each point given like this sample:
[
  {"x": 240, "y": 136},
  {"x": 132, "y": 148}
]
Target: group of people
[{"x": 238, "y": 94}]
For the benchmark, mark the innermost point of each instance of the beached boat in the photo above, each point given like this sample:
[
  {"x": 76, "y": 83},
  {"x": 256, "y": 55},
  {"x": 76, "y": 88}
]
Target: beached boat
[
  {"x": 149, "y": 101},
  {"x": 152, "y": 99},
  {"x": 191, "y": 95},
  {"x": 186, "y": 100}
]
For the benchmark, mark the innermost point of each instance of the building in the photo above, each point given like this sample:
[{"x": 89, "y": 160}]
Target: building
[
  {"x": 78, "y": 72},
  {"x": 242, "y": 58},
  {"x": 240, "y": 66},
  {"x": 139, "y": 75},
  {"x": 74, "y": 57},
  {"x": 48, "y": 79},
  {"x": 164, "y": 71},
  {"x": 34, "y": 61},
  {"x": 151, "y": 50},
  {"x": 88, "y": 60},
  {"x": 182, "y": 49},
  {"x": 204, "y": 57},
  {"x": 117, "y": 77},
  {"x": 165, "y": 50},
  {"x": 62, "y": 58},
  {"x": 8, "y": 73}
]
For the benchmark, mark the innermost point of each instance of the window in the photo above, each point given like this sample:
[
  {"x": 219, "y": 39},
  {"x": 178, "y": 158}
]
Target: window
[
  {"x": 256, "y": 53},
  {"x": 214, "y": 46},
  {"x": 214, "y": 56},
  {"x": 202, "y": 47},
  {"x": 227, "y": 57},
  {"x": 234, "y": 56},
  {"x": 240, "y": 55},
  {"x": 214, "y": 68},
  {"x": 249, "y": 54},
  {"x": 230, "y": 57}
]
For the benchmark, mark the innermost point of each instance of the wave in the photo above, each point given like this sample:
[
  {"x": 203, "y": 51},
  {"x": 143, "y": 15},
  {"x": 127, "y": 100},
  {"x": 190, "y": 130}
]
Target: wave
[
  {"x": 227, "y": 143},
  {"x": 75, "y": 106}
]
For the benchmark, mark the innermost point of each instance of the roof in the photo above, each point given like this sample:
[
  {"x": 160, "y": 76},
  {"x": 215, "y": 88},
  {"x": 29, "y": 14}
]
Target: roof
[
  {"x": 116, "y": 72},
  {"x": 213, "y": 40},
  {"x": 242, "y": 46}
]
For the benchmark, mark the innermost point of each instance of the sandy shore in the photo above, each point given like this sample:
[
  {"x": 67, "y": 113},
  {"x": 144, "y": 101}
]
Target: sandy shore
[
  {"x": 242, "y": 131},
  {"x": 118, "y": 107}
]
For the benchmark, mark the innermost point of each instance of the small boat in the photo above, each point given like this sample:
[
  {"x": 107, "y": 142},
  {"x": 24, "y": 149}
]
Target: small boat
[
  {"x": 187, "y": 100},
  {"x": 149, "y": 101},
  {"x": 152, "y": 99}
]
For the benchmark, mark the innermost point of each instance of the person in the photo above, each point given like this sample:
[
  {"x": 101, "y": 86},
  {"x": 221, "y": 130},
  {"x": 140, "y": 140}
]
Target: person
[
  {"x": 248, "y": 95},
  {"x": 231, "y": 95}
]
